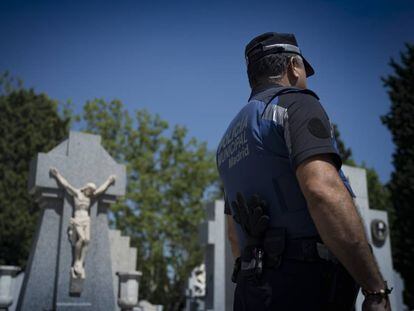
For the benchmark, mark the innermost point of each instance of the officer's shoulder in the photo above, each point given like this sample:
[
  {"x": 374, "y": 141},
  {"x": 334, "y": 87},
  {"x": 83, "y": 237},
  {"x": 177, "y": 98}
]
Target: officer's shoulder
[{"x": 305, "y": 96}]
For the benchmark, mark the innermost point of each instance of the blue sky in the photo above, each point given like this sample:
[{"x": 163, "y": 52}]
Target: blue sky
[{"x": 184, "y": 60}]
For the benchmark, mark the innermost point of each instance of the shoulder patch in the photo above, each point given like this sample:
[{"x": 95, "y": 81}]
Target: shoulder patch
[{"x": 317, "y": 128}]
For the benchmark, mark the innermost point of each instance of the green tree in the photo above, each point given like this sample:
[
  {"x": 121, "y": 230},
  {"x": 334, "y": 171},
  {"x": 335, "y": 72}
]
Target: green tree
[
  {"x": 169, "y": 177},
  {"x": 345, "y": 153},
  {"x": 399, "y": 120},
  {"x": 29, "y": 123},
  {"x": 378, "y": 194}
]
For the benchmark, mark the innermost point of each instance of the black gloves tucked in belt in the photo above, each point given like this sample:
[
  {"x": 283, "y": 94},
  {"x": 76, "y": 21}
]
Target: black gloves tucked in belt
[{"x": 252, "y": 218}]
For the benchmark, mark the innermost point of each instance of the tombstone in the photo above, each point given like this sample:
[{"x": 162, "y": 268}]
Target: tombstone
[
  {"x": 50, "y": 283},
  {"x": 219, "y": 260},
  {"x": 377, "y": 229}
]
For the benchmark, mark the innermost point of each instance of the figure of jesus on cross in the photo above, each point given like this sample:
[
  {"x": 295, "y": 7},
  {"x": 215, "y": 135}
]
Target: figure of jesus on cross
[{"x": 80, "y": 225}]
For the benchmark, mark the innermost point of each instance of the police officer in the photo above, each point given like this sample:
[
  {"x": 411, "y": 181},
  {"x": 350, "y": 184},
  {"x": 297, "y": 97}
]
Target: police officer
[{"x": 294, "y": 227}]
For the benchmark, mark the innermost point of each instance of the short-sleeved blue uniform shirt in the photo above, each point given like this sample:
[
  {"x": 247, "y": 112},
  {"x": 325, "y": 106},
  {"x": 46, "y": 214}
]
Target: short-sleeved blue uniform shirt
[{"x": 269, "y": 138}]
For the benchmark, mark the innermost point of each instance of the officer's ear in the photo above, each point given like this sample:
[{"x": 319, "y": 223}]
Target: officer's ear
[
  {"x": 292, "y": 71},
  {"x": 296, "y": 65}
]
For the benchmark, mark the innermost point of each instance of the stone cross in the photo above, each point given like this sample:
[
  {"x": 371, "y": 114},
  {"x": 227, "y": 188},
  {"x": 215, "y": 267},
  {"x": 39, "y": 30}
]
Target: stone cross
[
  {"x": 382, "y": 251},
  {"x": 47, "y": 284},
  {"x": 219, "y": 259}
]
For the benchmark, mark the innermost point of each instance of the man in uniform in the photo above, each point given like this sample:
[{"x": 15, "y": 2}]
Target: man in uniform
[{"x": 301, "y": 242}]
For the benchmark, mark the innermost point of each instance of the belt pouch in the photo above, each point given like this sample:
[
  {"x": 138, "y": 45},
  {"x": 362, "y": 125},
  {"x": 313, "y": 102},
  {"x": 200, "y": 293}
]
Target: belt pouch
[{"x": 274, "y": 245}]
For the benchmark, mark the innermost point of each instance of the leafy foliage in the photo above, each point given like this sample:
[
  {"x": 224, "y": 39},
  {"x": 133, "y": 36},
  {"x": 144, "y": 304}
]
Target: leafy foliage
[
  {"x": 344, "y": 152},
  {"x": 378, "y": 194},
  {"x": 29, "y": 123},
  {"x": 168, "y": 176},
  {"x": 399, "y": 120}
]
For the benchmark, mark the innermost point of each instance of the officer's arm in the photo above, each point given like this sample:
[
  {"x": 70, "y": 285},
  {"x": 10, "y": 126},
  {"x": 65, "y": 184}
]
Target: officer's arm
[
  {"x": 232, "y": 236},
  {"x": 337, "y": 220}
]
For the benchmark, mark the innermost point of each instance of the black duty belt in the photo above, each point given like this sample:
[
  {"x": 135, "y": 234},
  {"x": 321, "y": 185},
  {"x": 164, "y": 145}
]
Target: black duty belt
[
  {"x": 276, "y": 247},
  {"x": 307, "y": 250}
]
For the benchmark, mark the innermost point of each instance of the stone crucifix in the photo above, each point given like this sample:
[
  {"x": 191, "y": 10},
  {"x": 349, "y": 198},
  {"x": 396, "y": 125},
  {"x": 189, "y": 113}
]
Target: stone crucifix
[
  {"x": 83, "y": 209},
  {"x": 80, "y": 225}
]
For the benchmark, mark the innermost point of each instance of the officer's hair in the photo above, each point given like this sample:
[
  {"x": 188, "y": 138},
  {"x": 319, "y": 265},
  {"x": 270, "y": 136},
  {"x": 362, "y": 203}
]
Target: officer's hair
[{"x": 269, "y": 69}]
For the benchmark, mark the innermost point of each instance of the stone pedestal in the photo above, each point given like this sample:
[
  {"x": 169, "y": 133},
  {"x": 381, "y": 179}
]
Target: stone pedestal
[
  {"x": 7, "y": 274},
  {"x": 128, "y": 289},
  {"x": 123, "y": 257}
]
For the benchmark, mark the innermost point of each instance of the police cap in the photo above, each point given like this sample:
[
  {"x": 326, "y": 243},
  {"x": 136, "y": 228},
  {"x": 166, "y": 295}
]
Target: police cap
[{"x": 274, "y": 43}]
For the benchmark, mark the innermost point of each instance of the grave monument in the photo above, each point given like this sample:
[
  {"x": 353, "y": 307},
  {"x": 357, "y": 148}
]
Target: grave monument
[{"x": 70, "y": 262}]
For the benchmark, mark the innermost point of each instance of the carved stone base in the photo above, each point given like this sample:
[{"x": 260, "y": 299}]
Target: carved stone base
[{"x": 76, "y": 286}]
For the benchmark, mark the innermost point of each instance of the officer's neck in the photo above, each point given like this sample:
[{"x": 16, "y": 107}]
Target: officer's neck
[
  {"x": 285, "y": 81},
  {"x": 282, "y": 81},
  {"x": 264, "y": 86}
]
